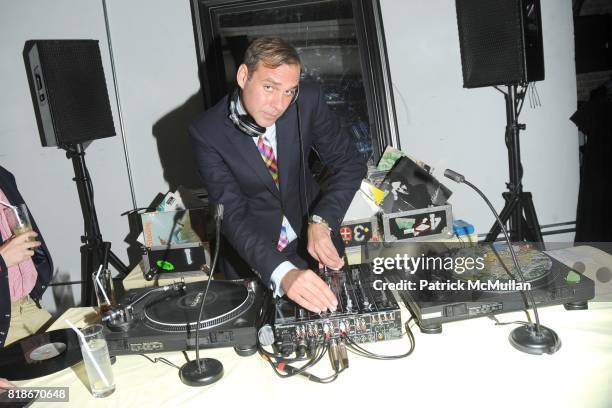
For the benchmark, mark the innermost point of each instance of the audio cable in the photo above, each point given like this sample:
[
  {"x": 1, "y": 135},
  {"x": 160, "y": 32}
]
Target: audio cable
[
  {"x": 283, "y": 369},
  {"x": 357, "y": 349}
]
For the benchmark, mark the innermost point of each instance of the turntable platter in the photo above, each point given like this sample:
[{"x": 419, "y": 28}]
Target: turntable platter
[
  {"x": 499, "y": 266},
  {"x": 224, "y": 301}
]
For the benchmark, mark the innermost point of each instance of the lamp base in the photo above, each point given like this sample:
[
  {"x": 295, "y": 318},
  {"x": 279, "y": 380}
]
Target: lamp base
[
  {"x": 212, "y": 371},
  {"x": 527, "y": 340}
]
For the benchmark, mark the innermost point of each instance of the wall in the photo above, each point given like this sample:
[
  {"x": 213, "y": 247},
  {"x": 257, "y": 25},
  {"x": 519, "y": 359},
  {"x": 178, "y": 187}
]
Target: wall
[
  {"x": 157, "y": 73},
  {"x": 463, "y": 129}
]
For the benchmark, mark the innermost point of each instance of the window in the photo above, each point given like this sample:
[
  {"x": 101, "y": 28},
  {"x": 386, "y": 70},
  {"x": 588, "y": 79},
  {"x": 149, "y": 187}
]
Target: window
[{"x": 341, "y": 44}]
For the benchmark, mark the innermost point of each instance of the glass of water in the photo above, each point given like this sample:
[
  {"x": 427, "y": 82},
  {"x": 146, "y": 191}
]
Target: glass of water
[{"x": 97, "y": 361}]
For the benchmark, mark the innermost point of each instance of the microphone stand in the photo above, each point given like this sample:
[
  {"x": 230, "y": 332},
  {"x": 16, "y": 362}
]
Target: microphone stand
[
  {"x": 531, "y": 339},
  {"x": 204, "y": 371}
]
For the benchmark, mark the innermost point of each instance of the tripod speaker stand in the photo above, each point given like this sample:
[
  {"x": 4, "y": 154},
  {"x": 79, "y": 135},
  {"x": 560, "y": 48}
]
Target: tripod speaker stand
[
  {"x": 518, "y": 211},
  {"x": 92, "y": 250},
  {"x": 70, "y": 99},
  {"x": 501, "y": 44}
]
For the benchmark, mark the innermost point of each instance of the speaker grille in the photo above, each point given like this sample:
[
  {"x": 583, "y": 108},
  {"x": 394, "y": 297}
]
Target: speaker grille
[
  {"x": 500, "y": 42},
  {"x": 491, "y": 45},
  {"x": 76, "y": 90}
]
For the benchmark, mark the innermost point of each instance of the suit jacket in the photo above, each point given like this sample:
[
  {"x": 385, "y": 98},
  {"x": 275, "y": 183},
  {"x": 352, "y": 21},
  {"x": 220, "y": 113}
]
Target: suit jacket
[
  {"x": 235, "y": 175},
  {"x": 42, "y": 260}
]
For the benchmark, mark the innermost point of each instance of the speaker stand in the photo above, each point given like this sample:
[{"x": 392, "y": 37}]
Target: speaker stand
[
  {"x": 92, "y": 250},
  {"x": 518, "y": 212}
]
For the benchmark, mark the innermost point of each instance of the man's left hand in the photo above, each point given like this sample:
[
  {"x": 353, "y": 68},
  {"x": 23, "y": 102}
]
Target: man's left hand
[
  {"x": 5, "y": 384},
  {"x": 321, "y": 247}
]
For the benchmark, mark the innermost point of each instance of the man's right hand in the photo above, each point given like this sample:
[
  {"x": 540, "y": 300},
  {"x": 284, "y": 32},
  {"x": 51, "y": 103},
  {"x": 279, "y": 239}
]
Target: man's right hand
[
  {"x": 18, "y": 249},
  {"x": 308, "y": 290}
]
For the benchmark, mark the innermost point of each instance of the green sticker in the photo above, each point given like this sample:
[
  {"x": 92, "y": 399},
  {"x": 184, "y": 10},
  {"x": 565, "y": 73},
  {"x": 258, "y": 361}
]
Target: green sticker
[
  {"x": 405, "y": 223},
  {"x": 572, "y": 277},
  {"x": 165, "y": 265}
]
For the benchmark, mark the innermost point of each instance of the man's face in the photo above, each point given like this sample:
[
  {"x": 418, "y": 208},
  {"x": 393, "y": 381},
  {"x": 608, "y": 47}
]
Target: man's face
[{"x": 267, "y": 93}]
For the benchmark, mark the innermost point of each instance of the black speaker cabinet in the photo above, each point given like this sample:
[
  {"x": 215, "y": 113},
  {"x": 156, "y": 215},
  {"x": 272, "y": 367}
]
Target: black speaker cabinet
[
  {"x": 68, "y": 91},
  {"x": 500, "y": 42}
]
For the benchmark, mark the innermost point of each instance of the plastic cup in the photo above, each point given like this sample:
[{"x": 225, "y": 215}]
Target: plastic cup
[
  {"x": 18, "y": 219},
  {"x": 105, "y": 290},
  {"x": 97, "y": 361}
]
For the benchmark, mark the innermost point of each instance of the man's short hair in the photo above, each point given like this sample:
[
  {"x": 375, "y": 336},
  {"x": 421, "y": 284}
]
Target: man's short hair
[{"x": 272, "y": 52}]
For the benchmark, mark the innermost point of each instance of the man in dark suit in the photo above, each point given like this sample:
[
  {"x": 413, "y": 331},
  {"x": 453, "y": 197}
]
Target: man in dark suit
[{"x": 251, "y": 150}]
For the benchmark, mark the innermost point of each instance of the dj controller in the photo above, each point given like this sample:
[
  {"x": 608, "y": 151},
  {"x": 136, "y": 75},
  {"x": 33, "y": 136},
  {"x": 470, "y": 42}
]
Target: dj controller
[{"x": 363, "y": 314}]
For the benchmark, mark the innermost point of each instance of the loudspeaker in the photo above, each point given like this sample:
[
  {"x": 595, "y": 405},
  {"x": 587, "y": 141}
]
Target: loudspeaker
[
  {"x": 68, "y": 90},
  {"x": 500, "y": 42}
]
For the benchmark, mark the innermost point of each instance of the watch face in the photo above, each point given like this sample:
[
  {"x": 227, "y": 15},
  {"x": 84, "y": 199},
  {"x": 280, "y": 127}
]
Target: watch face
[{"x": 315, "y": 219}]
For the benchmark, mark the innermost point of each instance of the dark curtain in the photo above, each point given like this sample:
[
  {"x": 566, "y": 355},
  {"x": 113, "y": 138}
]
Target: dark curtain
[{"x": 594, "y": 119}]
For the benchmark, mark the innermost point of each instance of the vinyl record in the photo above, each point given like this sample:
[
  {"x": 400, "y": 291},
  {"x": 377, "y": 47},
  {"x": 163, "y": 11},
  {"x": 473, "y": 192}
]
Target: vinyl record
[
  {"x": 40, "y": 355},
  {"x": 499, "y": 265},
  {"x": 224, "y": 301}
]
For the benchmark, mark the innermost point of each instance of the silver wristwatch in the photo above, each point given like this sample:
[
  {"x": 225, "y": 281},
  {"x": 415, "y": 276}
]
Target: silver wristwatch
[{"x": 317, "y": 219}]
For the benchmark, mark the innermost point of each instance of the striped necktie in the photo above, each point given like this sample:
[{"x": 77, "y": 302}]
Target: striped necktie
[{"x": 267, "y": 154}]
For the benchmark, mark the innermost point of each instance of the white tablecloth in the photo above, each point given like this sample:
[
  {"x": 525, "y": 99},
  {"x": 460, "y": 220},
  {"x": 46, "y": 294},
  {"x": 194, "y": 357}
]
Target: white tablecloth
[{"x": 471, "y": 363}]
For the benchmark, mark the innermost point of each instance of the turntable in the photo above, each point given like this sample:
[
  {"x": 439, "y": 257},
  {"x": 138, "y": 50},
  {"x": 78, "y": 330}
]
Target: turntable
[
  {"x": 165, "y": 318},
  {"x": 551, "y": 283}
]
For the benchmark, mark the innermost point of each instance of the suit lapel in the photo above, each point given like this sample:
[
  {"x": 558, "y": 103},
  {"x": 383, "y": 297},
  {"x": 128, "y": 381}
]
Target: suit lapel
[
  {"x": 248, "y": 150},
  {"x": 288, "y": 151}
]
